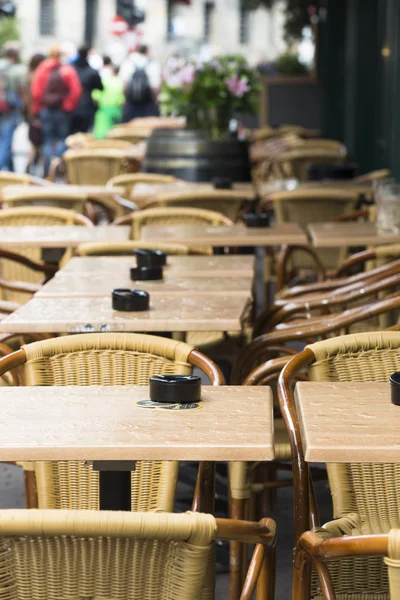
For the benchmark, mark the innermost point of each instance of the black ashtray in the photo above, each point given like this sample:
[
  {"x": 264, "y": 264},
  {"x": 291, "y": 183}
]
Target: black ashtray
[
  {"x": 256, "y": 220},
  {"x": 174, "y": 389},
  {"x": 130, "y": 300},
  {"x": 146, "y": 273},
  {"x": 395, "y": 388},
  {"x": 150, "y": 258},
  {"x": 222, "y": 183}
]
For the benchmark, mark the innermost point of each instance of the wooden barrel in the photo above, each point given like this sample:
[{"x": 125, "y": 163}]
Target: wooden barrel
[{"x": 191, "y": 156}]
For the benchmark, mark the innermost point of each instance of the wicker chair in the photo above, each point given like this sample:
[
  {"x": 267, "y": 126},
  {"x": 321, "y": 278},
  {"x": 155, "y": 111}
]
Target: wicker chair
[
  {"x": 303, "y": 206},
  {"x": 39, "y": 216},
  {"x": 20, "y": 291},
  {"x": 171, "y": 216},
  {"x": 226, "y": 202},
  {"x": 127, "y": 248},
  {"x": 128, "y": 182},
  {"x": 86, "y": 554},
  {"x": 105, "y": 359},
  {"x": 9, "y": 178},
  {"x": 96, "y": 167},
  {"x": 295, "y": 163},
  {"x": 311, "y": 547},
  {"x": 364, "y": 495},
  {"x": 71, "y": 201},
  {"x": 374, "y": 176},
  {"x": 129, "y": 133}
]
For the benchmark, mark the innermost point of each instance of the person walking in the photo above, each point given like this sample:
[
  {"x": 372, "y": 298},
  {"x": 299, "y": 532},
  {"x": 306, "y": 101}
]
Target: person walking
[
  {"x": 83, "y": 116},
  {"x": 56, "y": 91},
  {"x": 35, "y": 129},
  {"x": 13, "y": 95},
  {"x": 109, "y": 101},
  {"x": 142, "y": 79}
]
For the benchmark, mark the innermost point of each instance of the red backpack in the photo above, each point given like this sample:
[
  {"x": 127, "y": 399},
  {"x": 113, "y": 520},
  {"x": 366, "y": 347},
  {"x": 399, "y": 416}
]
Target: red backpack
[{"x": 56, "y": 89}]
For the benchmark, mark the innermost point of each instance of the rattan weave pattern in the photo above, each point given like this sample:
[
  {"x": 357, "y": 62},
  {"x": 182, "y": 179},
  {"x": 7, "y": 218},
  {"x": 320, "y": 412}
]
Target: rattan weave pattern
[
  {"x": 104, "y": 359},
  {"x": 103, "y": 556},
  {"x": 33, "y": 216},
  {"x": 369, "y": 490}
]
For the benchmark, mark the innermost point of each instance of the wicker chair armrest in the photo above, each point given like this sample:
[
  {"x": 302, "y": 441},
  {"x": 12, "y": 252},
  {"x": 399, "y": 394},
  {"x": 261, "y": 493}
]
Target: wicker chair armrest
[
  {"x": 20, "y": 286},
  {"x": 356, "y": 259},
  {"x": 55, "y": 166},
  {"x": 45, "y": 268},
  {"x": 268, "y": 371},
  {"x": 353, "y": 215},
  {"x": 284, "y": 257}
]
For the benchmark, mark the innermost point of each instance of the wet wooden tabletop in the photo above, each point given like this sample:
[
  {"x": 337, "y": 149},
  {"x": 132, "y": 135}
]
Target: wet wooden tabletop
[
  {"x": 334, "y": 235},
  {"x": 9, "y": 192},
  {"x": 60, "y": 236},
  {"x": 234, "y": 235},
  {"x": 348, "y": 422},
  {"x": 107, "y": 423},
  {"x": 179, "y": 266},
  {"x": 168, "y": 312},
  {"x": 102, "y": 284}
]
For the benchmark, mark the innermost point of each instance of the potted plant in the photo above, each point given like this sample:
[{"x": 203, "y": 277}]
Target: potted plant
[{"x": 210, "y": 93}]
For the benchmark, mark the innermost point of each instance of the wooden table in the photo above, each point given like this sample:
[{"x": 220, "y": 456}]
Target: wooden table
[
  {"x": 179, "y": 266},
  {"x": 100, "y": 285},
  {"x": 234, "y": 235},
  {"x": 333, "y": 235},
  {"x": 60, "y": 236},
  {"x": 106, "y": 423},
  {"x": 168, "y": 312},
  {"x": 9, "y": 192},
  {"x": 348, "y": 422},
  {"x": 145, "y": 193}
]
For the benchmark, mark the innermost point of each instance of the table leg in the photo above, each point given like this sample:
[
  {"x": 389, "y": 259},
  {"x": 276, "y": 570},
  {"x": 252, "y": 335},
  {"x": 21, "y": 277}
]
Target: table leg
[
  {"x": 114, "y": 484},
  {"x": 260, "y": 295}
]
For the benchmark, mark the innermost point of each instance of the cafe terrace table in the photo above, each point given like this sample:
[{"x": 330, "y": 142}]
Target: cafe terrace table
[
  {"x": 179, "y": 266},
  {"x": 60, "y": 236},
  {"x": 9, "y": 192},
  {"x": 146, "y": 193},
  {"x": 234, "y": 235},
  {"x": 100, "y": 285},
  {"x": 168, "y": 312},
  {"x": 348, "y": 422},
  {"x": 334, "y": 235},
  {"x": 111, "y": 425}
]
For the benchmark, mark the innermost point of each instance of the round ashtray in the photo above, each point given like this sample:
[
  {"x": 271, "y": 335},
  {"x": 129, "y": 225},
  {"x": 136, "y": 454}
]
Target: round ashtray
[
  {"x": 175, "y": 388},
  {"x": 130, "y": 300},
  {"x": 395, "y": 388},
  {"x": 150, "y": 258},
  {"x": 146, "y": 273},
  {"x": 255, "y": 220}
]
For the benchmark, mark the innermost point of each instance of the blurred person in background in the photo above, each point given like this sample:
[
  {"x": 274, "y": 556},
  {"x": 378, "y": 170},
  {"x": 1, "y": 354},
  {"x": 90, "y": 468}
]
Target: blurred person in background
[
  {"x": 83, "y": 116},
  {"x": 142, "y": 79},
  {"x": 56, "y": 91},
  {"x": 13, "y": 99},
  {"x": 35, "y": 130},
  {"x": 107, "y": 69},
  {"x": 110, "y": 102}
]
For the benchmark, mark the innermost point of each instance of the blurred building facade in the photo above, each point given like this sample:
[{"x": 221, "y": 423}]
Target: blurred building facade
[{"x": 191, "y": 26}]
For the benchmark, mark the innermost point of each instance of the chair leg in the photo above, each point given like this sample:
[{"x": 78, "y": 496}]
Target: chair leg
[
  {"x": 266, "y": 580},
  {"x": 30, "y": 489},
  {"x": 236, "y": 553},
  {"x": 301, "y": 577}
]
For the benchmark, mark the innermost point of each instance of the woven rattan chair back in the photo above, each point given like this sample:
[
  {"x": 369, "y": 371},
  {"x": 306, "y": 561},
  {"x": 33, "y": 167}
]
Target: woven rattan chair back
[
  {"x": 127, "y": 248},
  {"x": 104, "y": 555},
  {"x": 33, "y": 216},
  {"x": 75, "y": 202},
  {"x": 94, "y": 167},
  {"x": 105, "y": 359},
  {"x": 295, "y": 163},
  {"x": 129, "y": 133},
  {"x": 313, "y": 206},
  {"x": 9, "y": 178},
  {"x": 367, "y": 490},
  {"x": 171, "y": 216},
  {"x": 223, "y": 201}
]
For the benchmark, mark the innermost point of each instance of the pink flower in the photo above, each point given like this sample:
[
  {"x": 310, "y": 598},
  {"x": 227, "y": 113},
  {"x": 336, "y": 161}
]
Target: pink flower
[
  {"x": 187, "y": 74},
  {"x": 216, "y": 64},
  {"x": 238, "y": 87}
]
